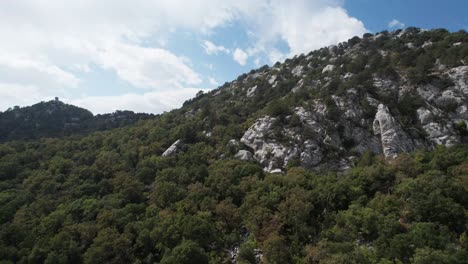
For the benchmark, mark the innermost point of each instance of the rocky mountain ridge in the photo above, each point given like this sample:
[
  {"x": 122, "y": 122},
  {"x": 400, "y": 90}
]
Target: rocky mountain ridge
[{"x": 388, "y": 93}]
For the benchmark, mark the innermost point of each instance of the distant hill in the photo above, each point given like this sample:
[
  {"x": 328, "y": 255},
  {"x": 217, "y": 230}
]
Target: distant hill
[{"x": 57, "y": 119}]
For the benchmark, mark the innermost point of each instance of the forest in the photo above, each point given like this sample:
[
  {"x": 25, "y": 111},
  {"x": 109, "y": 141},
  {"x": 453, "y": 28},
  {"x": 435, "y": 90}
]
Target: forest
[{"x": 92, "y": 204}]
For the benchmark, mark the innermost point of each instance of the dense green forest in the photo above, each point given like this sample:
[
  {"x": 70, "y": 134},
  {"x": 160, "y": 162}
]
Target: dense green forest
[
  {"x": 91, "y": 204},
  {"x": 112, "y": 197}
]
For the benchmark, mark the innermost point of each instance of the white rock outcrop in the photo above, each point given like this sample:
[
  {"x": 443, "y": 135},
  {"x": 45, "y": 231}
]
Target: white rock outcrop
[
  {"x": 297, "y": 71},
  {"x": 251, "y": 91},
  {"x": 459, "y": 77},
  {"x": 243, "y": 155},
  {"x": 394, "y": 140},
  {"x": 173, "y": 149},
  {"x": 273, "y": 155},
  {"x": 272, "y": 79},
  {"x": 233, "y": 143},
  {"x": 437, "y": 132},
  {"x": 312, "y": 154},
  {"x": 268, "y": 152},
  {"x": 328, "y": 68}
]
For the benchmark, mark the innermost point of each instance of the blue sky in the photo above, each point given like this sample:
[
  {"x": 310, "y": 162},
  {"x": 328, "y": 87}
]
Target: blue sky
[
  {"x": 151, "y": 55},
  {"x": 376, "y": 14}
]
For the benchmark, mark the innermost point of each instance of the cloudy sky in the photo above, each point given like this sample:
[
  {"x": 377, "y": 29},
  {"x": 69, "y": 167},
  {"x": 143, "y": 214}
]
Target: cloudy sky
[{"x": 152, "y": 55}]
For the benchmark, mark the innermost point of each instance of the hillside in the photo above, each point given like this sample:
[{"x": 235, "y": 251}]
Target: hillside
[
  {"x": 349, "y": 154},
  {"x": 389, "y": 93},
  {"x": 57, "y": 119}
]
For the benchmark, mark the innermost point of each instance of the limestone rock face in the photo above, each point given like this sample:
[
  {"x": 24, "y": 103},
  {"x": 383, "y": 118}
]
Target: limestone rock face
[
  {"x": 387, "y": 113},
  {"x": 268, "y": 152},
  {"x": 274, "y": 155},
  {"x": 438, "y": 133},
  {"x": 173, "y": 149},
  {"x": 459, "y": 76},
  {"x": 243, "y": 155},
  {"x": 394, "y": 139},
  {"x": 312, "y": 154},
  {"x": 251, "y": 91},
  {"x": 297, "y": 71},
  {"x": 328, "y": 68}
]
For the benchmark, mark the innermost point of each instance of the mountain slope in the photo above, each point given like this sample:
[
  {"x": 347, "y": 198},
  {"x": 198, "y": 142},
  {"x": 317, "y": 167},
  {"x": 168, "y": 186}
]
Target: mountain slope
[
  {"x": 302, "y": 162},
  {"x": 389, "y": 93},
  {"x": 57, "y": 119}
]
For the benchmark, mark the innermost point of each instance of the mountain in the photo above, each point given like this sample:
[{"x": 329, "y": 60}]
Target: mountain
[
  {"x": 388, "y": 93},
  {"x": 353, "y": 153},
  {"x": 57, "y": 119}
]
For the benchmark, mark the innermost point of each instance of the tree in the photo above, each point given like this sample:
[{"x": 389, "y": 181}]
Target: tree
[
  {"x": 431, "y": 256},
  {"x": 187, "y": 252},
  {"x": 109, "y": 247},
  {"x": 275, "y": 250}
]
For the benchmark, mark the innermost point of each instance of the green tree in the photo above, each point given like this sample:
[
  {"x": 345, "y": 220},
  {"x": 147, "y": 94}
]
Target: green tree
[
  {"x": 109, "y": 247},
  {"x": 187, "y": 252}
]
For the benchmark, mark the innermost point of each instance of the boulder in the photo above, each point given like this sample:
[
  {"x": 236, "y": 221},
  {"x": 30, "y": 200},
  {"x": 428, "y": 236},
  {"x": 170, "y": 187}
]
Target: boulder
[
  {"x": 312, "y": 154},
  {"x": 244, "y": 155},
  {"x": 297, "y": 71},
  {"x": 173, "y": 149},
  {"x": 251, "y": 91},
  {"x": 233, "y": 143},
  {"x": 328, "y": 68}
]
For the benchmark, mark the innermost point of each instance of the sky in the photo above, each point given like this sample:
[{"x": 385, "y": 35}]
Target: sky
[{"x": 152, "y": 55}]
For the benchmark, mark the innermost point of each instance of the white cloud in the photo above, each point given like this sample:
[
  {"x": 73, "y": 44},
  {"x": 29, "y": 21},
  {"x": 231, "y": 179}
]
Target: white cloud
[
  {"x": 213, "y": 81},
  {"x": 47, "y": 45},
  {"x": 148, "y": 67},
  {"x": 303, "y": 25},
  {"x": 257, "y": 62},
  {"x": 275, "y": 55},
  {"x": 395, "y": 24},
  {"x": 240, "y": 56},
  {"x": 21, "y": 95},
  {"x": 211, "y": 48},
  {"x": 19, "y": 69},
  {"x": 150, "y": 102}
]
